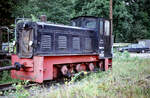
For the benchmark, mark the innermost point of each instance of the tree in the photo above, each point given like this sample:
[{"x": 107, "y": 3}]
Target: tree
[
  {"x": 5, "y": 12},
  {"x": 56, "y": 11},
  {"x": 140, "y": 13},
  {"x": 130, "y": 17}
]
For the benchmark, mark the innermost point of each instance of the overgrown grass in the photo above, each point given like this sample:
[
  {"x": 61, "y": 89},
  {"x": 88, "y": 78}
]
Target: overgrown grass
[
  {"x": 127, "y": 79},
  {"x": 6, "y": 78}
]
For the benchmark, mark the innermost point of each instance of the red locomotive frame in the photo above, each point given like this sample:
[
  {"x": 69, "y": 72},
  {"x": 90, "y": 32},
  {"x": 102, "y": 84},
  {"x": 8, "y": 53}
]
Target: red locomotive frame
[{"x": 42, "y": 68}]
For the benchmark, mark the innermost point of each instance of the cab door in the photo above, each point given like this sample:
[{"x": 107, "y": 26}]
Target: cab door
[
  {"x": 101, "y": 39},
  {"x": 25, "y": 43},
  {"x": 107, "y": 40},
  {"x": 105, "y": 46}
]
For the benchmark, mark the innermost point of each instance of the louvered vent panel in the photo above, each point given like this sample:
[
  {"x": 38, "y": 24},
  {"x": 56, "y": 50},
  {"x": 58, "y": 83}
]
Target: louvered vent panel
[
  {"x": 88, "y": 43},
  {"x": 76, "y": 43},
  {"x": 46, "y": 42},
  {"x": 62, "y": 42}
]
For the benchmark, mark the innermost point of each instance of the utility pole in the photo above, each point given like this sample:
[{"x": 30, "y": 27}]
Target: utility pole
[
  {"x": 0, "y": 40},
  {"x": 111, "y": 24},
  {"x": 111, "y": 16}
]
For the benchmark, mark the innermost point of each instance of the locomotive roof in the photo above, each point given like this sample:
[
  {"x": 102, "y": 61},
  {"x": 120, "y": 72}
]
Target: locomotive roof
[
  {"x": 63, "y": 26},
  {"x": 89, "y": 17},
  {"x": 85, "y": 16}
]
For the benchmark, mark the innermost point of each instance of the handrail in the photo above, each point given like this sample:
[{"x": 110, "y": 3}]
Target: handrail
[{"x": 8, "y": 32}]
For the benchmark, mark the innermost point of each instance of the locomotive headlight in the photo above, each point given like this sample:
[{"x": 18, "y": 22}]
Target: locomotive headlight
[
  {"x": 30, "y": 43},
  {"x": 14, "y": 43}
]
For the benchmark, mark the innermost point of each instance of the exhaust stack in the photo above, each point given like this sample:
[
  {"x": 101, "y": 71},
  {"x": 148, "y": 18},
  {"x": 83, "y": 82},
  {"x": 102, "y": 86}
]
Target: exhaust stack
[{"x": 43, "y": 18}]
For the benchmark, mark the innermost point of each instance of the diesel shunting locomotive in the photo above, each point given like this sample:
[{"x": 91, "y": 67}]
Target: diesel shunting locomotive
[{"x": 48, "y": 51}]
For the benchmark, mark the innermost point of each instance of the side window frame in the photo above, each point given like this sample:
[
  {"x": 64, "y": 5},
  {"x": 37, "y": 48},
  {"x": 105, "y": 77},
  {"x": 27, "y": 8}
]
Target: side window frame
[
  {"x": 101, "y": 27},
  {"x": 107, "y": 29}
]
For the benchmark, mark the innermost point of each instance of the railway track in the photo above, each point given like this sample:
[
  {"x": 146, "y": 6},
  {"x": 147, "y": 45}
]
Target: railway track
[
  {"x": 11, "y": 87},
  {"x": 45, "y": 84},
  {"x": 7, "y": 86}
]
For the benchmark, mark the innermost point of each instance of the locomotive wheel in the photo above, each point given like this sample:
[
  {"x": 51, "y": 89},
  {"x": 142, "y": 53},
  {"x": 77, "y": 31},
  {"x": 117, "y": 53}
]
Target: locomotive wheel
[
  {"x": 91, "y": 66},
  {"x": 80, "y": 67},
  {"x": 64, "y": 70}
]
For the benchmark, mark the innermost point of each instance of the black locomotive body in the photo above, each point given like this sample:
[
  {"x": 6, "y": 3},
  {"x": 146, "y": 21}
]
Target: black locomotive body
[{"x": 86, "y": 36}]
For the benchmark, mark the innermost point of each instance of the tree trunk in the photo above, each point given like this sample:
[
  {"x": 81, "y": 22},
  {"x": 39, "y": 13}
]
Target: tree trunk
[{"x": 0, "y": 40}]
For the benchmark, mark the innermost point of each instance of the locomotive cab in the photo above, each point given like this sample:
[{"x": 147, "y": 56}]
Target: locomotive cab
[{"x": 102, "y": 28}]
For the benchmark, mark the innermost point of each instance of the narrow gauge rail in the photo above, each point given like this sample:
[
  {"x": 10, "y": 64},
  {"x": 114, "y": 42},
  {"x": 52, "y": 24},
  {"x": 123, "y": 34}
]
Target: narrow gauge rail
[
  {"x": 46, "y": 84},
  {"x": 6, "y": 86},
  {"x": 9, "y": 86}
]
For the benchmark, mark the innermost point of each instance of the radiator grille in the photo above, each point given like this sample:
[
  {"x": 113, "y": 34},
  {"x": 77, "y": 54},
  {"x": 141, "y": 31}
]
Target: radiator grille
[
  {"x": 76, "y": 43},
  {"x": 46, "y": 41},
  {"x": 88, "y": 43},
  {"x": 62, "y": 42}
]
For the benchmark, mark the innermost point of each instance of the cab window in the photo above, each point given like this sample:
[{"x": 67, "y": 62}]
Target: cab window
[
  {"x": 101, "y": 27},
  {"x": 90, "y": 23},
  {"x": 107, "y": 28}
]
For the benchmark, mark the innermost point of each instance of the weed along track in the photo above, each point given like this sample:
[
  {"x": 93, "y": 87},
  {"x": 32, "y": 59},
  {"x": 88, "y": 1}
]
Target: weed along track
[
  {"x": 14, "y": 87},
  {"x": 28, "y": 85},
  {"x": 4, "y": 87},
  {"x": 21, "y": 86}
]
